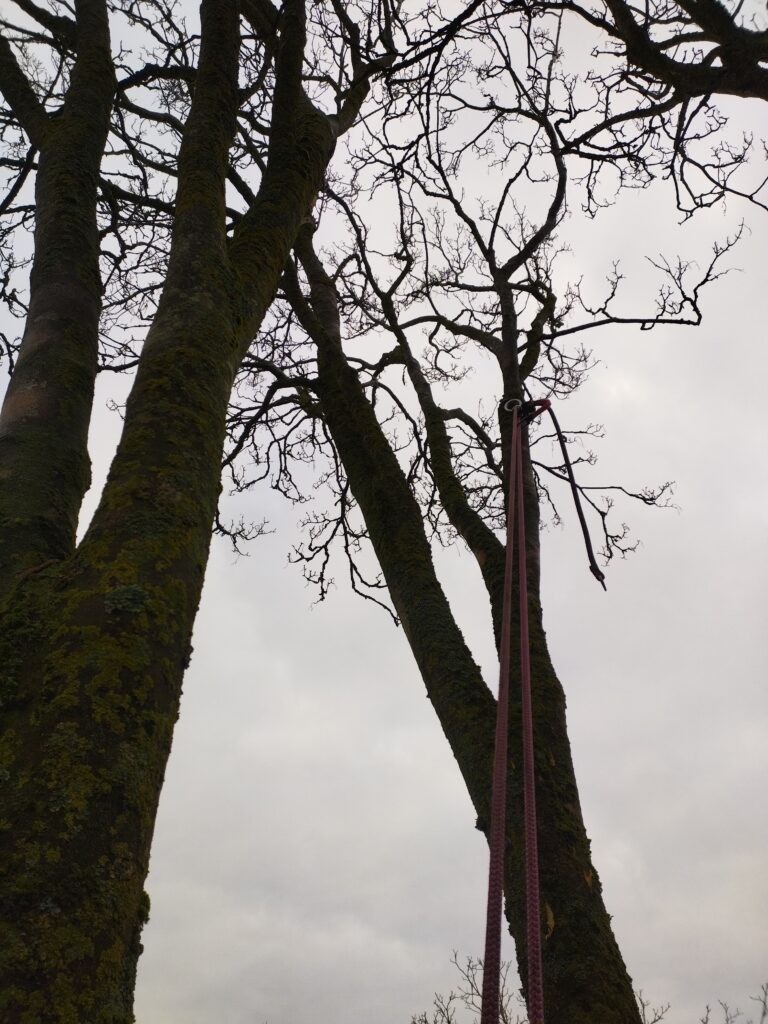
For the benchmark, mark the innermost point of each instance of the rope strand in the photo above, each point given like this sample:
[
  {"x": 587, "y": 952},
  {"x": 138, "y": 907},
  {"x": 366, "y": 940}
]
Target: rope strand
[
  {"x": 491, "y": 994},
  {"x": 490, "y": 1010}
]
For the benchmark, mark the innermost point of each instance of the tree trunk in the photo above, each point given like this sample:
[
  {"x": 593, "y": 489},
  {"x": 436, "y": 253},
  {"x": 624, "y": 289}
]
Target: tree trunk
[
  {"x": 44, "y": 464},
  {"x": 94, "y": 646},
  {"x": 585, "y": 978},
  {"x": 584, "y": 974},
  {"x": 94, "y": 641}
]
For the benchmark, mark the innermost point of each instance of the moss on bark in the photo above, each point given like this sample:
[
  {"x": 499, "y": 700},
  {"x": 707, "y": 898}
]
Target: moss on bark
[{"x": 95, "y": 640}]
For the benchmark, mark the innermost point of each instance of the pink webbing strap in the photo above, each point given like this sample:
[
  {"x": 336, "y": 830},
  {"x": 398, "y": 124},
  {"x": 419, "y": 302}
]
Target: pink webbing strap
[{"x": 490, "y": 1005}]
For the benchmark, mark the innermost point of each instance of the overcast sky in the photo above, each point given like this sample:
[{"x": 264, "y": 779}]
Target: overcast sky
[{"x": 315, "y": 857}]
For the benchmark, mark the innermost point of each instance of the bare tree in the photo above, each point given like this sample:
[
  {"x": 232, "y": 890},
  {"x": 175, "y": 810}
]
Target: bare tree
[
  {"x": 684, "y": 59},
  {"x": 465, "y": 1000},
  {"x": 95, "y": 635},
  {"x": 458, "y": 270},
  {"x": 173, "y": 186}
]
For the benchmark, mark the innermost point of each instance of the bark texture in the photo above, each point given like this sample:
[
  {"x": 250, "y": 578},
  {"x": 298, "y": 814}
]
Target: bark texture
[
  {"x": 44, "y": 473},
  {"x": 95, "y": 639}
]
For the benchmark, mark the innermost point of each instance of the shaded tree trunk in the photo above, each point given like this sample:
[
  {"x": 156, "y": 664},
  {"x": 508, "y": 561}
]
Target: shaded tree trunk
[
  {"x": 95, "y": 638},
  {"x": 584, "y": 974},
  {"x": 45, "y": 472}
]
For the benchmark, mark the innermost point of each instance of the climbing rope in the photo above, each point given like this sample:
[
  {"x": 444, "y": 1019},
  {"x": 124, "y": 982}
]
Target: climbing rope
[
  {"x": 490, "y": 1005},
  {"x": 491, "y": 993},
  {"x": 522, "y": 413}
]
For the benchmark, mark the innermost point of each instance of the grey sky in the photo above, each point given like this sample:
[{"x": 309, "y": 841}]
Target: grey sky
[{"x": 315, "y": 856}]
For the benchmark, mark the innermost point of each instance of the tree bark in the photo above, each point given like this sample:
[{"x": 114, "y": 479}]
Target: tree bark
[{"x": 95, "y": 640}]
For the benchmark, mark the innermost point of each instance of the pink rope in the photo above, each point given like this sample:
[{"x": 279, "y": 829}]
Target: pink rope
[
  {"x": 490, "y": 1005},
  {"x": 491, "y": 994}
]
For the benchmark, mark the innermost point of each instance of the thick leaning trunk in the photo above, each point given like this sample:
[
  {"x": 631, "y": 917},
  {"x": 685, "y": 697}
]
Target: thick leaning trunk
[
  {"x": 94, "y": 652},
  {"x": 585, "y": 977},
  {"x": 95, "y": 640},
  {"x": 94, "y": 645},
  {"x": 584, "y": 972}
]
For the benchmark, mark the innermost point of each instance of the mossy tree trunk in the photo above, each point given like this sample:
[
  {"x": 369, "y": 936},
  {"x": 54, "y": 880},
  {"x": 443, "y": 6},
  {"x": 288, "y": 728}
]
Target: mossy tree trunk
[
  {"x": 95, "y": 637},
  {"x": 585, "y": 977}
]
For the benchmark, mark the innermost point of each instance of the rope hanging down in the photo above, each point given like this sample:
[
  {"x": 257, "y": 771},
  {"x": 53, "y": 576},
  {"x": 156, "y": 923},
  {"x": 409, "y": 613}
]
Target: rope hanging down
[
  {"x": 522, "y": 413},
  {"x": 490, "y": 1005},
  {"x": 491, "y": 996}
]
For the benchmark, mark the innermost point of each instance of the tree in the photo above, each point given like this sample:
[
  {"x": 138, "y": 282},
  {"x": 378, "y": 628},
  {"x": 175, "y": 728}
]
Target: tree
[
  {"x": 96, "y": 634},
  {"x": 697, "y": 48},
  {"x": 467, "y": 997},
  {"x": 684, "y": 57},
  {"x": 468, "y": 270}
]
